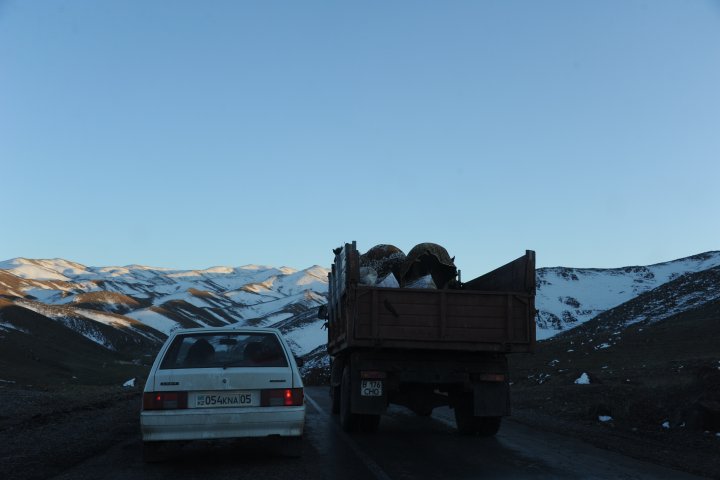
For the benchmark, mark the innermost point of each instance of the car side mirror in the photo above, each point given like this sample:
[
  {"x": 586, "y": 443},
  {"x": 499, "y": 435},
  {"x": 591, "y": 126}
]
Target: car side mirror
[
  {"x": 323, "y": 312},
  {"x": 300, "y": 362}
]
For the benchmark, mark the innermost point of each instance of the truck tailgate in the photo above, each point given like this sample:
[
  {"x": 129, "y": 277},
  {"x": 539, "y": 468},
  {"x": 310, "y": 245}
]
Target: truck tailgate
[{"x": 440, "y": 319}]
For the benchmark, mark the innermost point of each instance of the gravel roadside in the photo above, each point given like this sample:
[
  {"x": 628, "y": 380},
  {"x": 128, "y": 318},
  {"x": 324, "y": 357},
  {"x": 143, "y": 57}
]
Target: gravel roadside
[
  {"x": 43, "y": 433},
  {"x": 684, "y": 451}
]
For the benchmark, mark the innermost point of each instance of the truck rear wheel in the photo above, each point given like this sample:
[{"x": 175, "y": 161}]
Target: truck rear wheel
[
  {"x": 335, "y": 397},
  {"x": 353, "y": 422},
  {"x": 468, "y": 424},
  {"x": 348, "y": 420},
  {"x": 422, "y": 410},
  {"x": 489, "y": 426},
  {"x": 368, "y": 423}
]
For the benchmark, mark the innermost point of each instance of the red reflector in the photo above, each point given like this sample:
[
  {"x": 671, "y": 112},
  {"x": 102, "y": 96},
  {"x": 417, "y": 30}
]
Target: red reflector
[
  {"x": 164, "y": 400},
  {"x": 278, "y": 397},
  {"x": 371, "y": 374}
]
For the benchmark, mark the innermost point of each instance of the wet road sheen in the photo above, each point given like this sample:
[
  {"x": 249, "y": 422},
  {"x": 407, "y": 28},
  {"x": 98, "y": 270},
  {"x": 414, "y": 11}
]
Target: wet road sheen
[{"x": 405, "y": 447}]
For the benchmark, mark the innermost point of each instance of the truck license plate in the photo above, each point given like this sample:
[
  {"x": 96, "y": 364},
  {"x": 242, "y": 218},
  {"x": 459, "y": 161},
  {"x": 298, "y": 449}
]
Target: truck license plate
[{"x": 371, "y": 388}]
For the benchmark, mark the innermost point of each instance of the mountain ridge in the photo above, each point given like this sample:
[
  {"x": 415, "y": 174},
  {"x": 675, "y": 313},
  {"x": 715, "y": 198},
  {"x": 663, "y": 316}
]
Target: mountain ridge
[
  {"x": 567, "y": 297},
  {"x": 164, "y": 299}
]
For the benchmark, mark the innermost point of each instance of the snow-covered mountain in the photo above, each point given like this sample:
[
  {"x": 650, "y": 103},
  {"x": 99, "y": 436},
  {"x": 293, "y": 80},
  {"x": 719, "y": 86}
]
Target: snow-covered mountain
[
  {"x": 151, "y": 302},
  {"x": 146, "y": 303},
  {"x": 568, "y": 297},
  {"x": 690, "y": 292}
]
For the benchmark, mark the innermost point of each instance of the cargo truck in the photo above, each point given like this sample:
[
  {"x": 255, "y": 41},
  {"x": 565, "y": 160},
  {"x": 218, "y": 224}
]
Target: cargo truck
[{"x": 427, "y": 347}]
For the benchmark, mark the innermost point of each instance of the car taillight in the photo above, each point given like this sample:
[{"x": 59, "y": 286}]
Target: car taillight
[
  {"x": 164, "y": 400},
  {"x": 282, "y": 397}
]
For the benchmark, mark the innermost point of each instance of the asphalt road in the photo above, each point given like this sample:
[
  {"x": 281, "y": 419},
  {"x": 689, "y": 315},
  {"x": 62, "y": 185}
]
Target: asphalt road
[{"x": 405, "y": 447}]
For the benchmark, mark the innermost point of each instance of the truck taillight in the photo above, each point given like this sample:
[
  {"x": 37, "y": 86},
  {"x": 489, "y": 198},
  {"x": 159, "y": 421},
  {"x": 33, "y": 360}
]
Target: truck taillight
[
  {"x": 164, "y": 400},
  {"x": 282, "y": 397}
]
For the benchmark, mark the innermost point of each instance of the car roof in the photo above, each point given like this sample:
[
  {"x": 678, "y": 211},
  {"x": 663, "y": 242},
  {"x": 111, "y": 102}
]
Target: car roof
[{"x": 227, "y": 330}]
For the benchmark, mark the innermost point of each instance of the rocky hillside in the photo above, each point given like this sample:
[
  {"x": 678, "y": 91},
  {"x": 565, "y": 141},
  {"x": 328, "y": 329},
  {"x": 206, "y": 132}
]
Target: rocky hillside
[
  {"x": 117, "y": 308},
  {"x": 128, "y": 311},
  {"x": 160, "y": 298},
  {"x": 568, "y": 297},
  {"x": 648, "y": 369}
]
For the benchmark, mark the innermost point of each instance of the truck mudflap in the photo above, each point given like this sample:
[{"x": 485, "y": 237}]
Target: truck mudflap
[{"x": 370, "y": 392}]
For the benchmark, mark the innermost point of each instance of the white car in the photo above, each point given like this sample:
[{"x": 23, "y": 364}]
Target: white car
[{"x": 213, "y": 383}]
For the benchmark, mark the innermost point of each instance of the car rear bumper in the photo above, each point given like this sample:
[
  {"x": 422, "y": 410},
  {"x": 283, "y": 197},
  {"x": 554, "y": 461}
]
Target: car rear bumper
[{"x": 204, "y": 424}]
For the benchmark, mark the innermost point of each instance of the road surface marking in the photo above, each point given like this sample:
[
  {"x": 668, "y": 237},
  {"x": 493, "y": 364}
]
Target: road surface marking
[{"x": 364, "y": 458}]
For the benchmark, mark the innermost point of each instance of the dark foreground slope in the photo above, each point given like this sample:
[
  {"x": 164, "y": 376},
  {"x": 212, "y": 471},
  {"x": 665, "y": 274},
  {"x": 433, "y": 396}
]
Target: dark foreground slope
[
  {"x": 37, "y": 351},
  {"x": 654, "y": 388}
]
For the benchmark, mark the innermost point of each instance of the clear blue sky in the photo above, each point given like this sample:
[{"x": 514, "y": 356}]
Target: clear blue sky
[{"x": 189, "y": 134}]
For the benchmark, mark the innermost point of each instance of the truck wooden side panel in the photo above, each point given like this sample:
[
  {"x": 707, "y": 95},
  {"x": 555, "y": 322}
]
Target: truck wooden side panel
[{"x": 450, "y": 319}]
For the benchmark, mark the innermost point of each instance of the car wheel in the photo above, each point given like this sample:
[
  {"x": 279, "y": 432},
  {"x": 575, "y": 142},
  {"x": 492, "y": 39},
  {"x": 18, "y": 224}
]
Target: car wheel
[
  {"x": 292, "y": 447},
  {"x": 153, "y": 452}
]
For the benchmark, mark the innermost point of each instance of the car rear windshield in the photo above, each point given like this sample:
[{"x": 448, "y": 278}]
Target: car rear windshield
[{"x": 209, "y": 350}]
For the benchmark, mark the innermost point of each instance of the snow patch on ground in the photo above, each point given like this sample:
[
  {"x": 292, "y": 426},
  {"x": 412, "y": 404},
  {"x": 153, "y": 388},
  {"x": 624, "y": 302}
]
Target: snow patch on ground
[
  {"x": 155, "y": 320},
  {"x": 35, "y": 269},
  {"x": 583, "y": 379},
  {"x": 184, "y": 296},
  {"x": 277, "y": 317},
  {"x": 307, "y": 338},
  {"x": 103, "y": 318},
  {"x": 10, "y": 326}
]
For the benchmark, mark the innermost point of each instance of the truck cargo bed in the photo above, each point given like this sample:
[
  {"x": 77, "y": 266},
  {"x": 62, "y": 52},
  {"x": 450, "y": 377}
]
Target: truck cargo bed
[
  {"x": 439, "y": 320},
  {"x": 498, "y": 318}
]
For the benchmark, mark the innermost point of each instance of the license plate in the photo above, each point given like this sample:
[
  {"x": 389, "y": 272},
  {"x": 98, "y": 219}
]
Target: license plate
[
  {"x": 371, "y": 388},
  {"x": 226, "y": 399}
]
